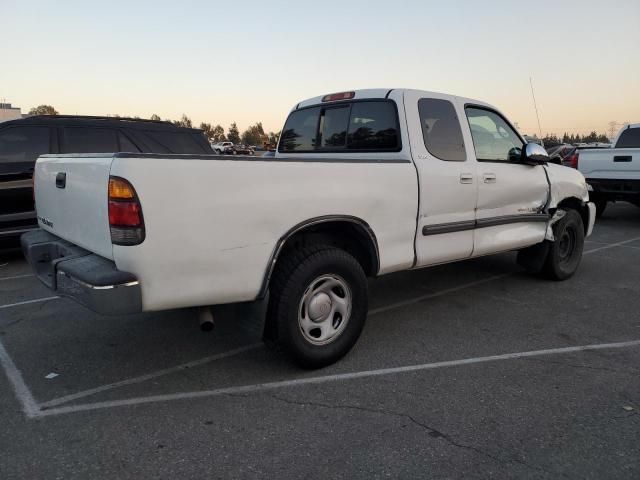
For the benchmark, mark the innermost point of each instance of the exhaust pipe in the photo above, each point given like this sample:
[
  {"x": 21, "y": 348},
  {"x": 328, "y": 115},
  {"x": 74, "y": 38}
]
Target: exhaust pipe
[{"x": 205, "y": 317}]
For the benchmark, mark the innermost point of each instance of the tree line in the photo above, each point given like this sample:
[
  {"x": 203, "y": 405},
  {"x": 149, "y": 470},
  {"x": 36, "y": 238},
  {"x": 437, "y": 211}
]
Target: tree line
[
  {"x": 253, "y": 135},
  {"x": 553, "y": 140}
]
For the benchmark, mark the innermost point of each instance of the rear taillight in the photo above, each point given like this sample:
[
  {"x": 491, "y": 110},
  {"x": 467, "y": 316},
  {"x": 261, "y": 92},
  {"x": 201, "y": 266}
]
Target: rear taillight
[
  {"x": 125, "y": 213},
  {"x": 571, "y": 161}
]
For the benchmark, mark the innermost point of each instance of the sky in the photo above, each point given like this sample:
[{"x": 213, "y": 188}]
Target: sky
[{"x": 249, "y": 61}]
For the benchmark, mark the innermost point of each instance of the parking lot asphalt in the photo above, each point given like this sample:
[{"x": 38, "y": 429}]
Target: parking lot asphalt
[{"x": 468, "y": 370}]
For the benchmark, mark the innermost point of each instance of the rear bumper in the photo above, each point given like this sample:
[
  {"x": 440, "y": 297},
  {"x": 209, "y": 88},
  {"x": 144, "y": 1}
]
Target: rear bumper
[
  {"x": 71, "y": 271},
  {"x": 605, "y": 189}
]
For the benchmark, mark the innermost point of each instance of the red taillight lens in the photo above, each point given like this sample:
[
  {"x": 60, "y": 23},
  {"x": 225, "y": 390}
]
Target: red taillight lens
[
  {"x": 571, "y": 161},
  {"x": 125, "y": 213}
]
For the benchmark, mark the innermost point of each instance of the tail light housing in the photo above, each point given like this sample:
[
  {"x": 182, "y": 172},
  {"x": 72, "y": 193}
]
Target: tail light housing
[
  {"x": 125, "y": 213},
  {"x": 571, "y": 161},
  {"x": 333, "y": 97}
]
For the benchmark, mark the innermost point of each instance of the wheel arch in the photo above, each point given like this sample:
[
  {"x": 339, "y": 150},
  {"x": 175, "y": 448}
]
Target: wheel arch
[
  {"x": 574, "y": 203},
  {"x": 344, "y": 231}
]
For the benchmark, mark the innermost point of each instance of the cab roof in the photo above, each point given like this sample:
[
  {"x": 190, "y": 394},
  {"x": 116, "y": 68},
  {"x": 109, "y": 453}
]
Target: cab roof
[{"x": 372, "y": 93}]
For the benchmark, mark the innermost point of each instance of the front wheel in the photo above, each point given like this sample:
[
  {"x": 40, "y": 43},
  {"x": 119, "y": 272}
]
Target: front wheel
[
  {"x": 317, "y": 306},
  {"x": 565, "y": 252}
]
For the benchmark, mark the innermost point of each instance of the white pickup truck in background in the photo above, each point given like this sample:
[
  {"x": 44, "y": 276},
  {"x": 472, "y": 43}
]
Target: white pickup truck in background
[
  {"x": 363, "y": 183},
  {"x": 613, "y": 173}
]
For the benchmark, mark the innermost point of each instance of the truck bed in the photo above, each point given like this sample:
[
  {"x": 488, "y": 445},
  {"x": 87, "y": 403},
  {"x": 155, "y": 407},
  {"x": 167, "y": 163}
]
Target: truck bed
[{"x": 220, "y": 217}]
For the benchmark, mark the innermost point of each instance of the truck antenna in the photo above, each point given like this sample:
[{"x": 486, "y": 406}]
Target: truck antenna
[{"x": 535, "y": 105}]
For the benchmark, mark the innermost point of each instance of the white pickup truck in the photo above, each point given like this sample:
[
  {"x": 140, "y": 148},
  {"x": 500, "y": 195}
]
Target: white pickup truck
[
  {"x": 612, "y": 173},
  {"x": 363, "y": 183}
]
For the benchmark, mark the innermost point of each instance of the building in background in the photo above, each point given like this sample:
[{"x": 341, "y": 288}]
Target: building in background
[{"x": 7, "y": 112}]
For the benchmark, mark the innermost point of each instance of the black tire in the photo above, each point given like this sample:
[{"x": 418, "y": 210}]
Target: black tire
[
  {"x": 294, "y": 275},
  {"x": 565, "y": 252},
  {"x": 601, "y": 206}
]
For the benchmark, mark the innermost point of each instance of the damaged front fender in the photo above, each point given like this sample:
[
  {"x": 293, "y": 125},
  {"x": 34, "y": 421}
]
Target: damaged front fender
[
  {"x": 566, "y": 183},
  {"x": 556, "y": 217}
]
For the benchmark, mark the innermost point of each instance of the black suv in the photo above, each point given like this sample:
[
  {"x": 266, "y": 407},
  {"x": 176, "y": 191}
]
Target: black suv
[{"x": 22, "y": 141}]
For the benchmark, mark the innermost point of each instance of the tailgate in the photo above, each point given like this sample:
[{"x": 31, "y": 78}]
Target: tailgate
[
  {"x": 72, "y": 199},
  {"x": 610, "y": 163}
]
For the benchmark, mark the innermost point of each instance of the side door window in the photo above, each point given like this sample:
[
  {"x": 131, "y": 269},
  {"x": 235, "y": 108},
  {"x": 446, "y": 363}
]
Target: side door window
[
  {"x": 441, "y": 130},
  {"x": 126, "y": 145},
  {"x": 89, "y": 140},
  {"x": 172, "y": 142},
  {"x": 493, "y": 138},
  {"x": 23, "y": 144}
]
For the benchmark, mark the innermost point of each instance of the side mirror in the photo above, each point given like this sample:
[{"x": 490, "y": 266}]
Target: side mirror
[{"x": 534, "y": 154}]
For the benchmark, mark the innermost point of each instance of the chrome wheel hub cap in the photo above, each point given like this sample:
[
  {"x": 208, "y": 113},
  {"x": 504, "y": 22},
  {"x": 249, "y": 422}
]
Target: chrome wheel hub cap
[
  {"x": 319, "y": 307},
  {"x": 324, "y": 309}
]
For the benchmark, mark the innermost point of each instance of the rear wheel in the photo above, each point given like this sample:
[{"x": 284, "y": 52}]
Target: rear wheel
[
  {"x": 565, "y": 252},
  {"x": 317, "y": 306}
]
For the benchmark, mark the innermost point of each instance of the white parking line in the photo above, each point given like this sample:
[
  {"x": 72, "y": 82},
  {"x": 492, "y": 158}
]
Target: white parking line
[
  {"x": 23, "y": 394},
  {"x": 261, "y": 387},
  {"x": 26, "y": 302},
  {"x": 15, "y": 277},
  {"x": 149, "y": 376},
  {"x": 611, "y": 245}
]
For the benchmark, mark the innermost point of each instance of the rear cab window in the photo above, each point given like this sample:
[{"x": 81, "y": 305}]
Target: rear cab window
[
  {"x": 356, "y": 126},
  {"x": 630, "y": 138}
]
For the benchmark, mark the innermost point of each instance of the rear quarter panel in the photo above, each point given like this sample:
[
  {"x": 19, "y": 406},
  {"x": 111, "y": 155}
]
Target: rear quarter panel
[{"x": 212, "y": 225}]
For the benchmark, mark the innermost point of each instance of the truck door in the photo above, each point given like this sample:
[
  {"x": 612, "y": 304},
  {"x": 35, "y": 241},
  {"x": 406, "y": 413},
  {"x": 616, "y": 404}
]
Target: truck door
[
  {"x": 447, "y": 177},
  {"x": 511, "y": 195}
]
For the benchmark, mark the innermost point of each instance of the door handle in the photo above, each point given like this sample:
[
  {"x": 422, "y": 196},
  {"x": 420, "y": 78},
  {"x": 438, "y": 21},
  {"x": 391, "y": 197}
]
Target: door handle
[
  {"x": 466, "y": 178},
  {"x": 489, "y": 178},
  {"x": 61, "y": 180}
]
